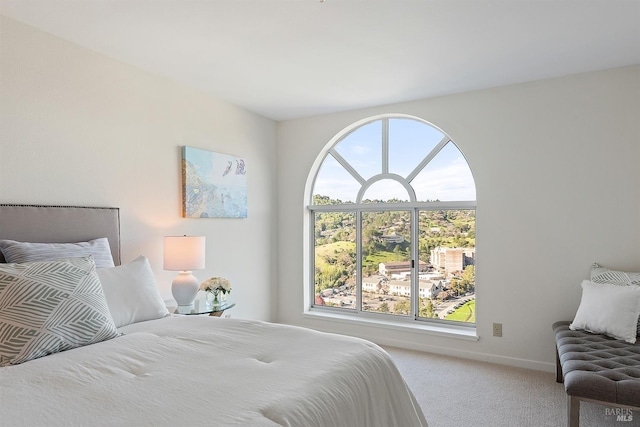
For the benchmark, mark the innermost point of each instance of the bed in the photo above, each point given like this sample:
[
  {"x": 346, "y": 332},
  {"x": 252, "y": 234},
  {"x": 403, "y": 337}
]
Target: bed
[{"x": 157, "y": 368}]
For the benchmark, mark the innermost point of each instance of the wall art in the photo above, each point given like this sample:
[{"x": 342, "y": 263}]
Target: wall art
[{"x": 214, "y": 185}]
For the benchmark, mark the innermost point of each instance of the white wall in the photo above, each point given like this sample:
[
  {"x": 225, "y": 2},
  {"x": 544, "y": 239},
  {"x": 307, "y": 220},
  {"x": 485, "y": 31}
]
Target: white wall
[
  {"x": 556, "y": 164},
  {"x": 77, "y": 128}
]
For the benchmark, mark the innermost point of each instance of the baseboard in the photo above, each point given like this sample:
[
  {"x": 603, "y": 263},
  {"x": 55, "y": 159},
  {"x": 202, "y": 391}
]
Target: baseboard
[{"x": 465, "y": 354}]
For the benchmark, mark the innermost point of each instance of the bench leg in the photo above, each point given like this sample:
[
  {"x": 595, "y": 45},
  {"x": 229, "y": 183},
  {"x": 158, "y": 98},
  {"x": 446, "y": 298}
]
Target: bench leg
[
  {"x": 559, "y": 377},
  {"x": 573, "y": 411}
]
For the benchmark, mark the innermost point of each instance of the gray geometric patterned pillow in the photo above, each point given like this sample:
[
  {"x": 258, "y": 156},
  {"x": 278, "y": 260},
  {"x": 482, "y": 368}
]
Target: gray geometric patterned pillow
[
  {"x": 51, "y": 306},
  {"x": 14, "y": 251},
  {"x": 600, "y": 274}
]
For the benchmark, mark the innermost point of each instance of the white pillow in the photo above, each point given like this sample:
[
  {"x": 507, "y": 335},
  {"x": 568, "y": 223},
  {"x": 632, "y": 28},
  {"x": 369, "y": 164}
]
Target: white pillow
[
  {"x": 17, "y": 252},
  {"x": 132, "y": 293},
  {"x": 51, "y": 306},
  {"x": 608, "y": 309},
  {"x": 600, "y": 274}
]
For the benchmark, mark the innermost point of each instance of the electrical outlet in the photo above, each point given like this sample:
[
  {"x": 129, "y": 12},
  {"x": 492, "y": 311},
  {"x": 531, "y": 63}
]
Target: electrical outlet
[{"x": 497, "y": 329}]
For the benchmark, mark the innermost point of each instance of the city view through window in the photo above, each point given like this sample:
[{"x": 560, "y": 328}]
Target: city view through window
[
  {"x": 445, "y": 267},
  {"x": 394, "y": 234}
]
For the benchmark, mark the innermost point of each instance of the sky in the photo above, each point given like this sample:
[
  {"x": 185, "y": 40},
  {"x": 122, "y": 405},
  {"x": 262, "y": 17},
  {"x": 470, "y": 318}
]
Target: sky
[{"x": 447, "y": 177}]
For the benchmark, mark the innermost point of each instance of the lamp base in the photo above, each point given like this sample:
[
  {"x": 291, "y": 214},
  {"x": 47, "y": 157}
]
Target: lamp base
[
  {"x": 184, "y": 289},
  {"x": 185, "y": 309}
]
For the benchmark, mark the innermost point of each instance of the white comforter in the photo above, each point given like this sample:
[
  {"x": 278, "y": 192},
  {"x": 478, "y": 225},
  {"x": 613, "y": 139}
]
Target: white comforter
[{"x": 200, "y": 370}]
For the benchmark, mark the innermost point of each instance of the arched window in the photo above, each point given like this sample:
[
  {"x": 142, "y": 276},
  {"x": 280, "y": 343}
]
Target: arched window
[{"x": 392, "y": 214}]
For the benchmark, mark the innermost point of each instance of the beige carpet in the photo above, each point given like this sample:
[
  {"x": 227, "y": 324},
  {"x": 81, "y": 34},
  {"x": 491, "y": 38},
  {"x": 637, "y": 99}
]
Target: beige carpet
[{"x": 462, "y": 393}]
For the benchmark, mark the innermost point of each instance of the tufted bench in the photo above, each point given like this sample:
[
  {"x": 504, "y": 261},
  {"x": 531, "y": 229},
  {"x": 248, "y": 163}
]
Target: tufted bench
[{"x": 596, "y": 368}]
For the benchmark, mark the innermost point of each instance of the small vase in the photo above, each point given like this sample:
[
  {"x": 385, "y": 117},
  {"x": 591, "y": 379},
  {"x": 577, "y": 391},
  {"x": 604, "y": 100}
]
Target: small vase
[{"x": 213, "y": 300}]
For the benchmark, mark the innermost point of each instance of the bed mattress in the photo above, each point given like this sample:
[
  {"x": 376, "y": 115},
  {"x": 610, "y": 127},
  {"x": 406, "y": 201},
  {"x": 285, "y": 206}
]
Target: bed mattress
[{"x": 201, "y": 370}]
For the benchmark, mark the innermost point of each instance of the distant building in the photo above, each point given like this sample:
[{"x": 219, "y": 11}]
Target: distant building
[
  {"x": 369, "y": 284},
  {"x": 427, "y": 289},
  {"x": 399, "y": 267},
  {"x": 431, "y": 275},
  {"x": 392, "y": 238},
  {"x": 400, "y": 287},
  {"x": 451, "y": 260},
  {"x": 432, "y": 289}
]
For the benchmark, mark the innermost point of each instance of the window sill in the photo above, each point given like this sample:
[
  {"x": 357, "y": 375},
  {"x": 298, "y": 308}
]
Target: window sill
[{"x": 449, "y": 331}]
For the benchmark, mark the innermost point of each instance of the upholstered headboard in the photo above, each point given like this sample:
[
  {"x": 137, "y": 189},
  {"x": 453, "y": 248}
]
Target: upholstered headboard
[{"x": 60, "y": 224}]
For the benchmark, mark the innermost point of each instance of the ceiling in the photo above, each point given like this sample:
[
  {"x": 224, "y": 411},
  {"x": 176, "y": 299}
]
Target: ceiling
[{"x": 288, "y": 59}]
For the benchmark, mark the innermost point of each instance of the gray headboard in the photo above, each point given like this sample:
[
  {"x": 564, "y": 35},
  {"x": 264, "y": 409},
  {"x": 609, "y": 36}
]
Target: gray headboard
[{"x": 60, "y": 224}]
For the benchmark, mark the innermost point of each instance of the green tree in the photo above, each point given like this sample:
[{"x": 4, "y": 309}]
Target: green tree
[
  {"x": 402, "y": 307},
  {"x": 469, "y": 275},
  {"x": 427, "y": 309}
]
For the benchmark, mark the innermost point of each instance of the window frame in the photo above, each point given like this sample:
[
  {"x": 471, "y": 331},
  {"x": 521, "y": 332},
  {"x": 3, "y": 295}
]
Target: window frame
[{"x": 413, "y": 207}]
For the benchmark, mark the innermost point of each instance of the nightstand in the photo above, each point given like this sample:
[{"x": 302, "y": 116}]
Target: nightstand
[{"x": 200, "y": 307}]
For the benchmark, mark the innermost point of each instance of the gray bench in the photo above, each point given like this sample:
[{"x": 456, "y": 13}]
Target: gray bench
[{"x": 596, "y": 368}]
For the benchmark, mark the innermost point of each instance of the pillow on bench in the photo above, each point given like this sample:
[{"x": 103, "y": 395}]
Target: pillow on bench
[
  {"x": 600, "y": 274},
  {"x": 608, "y": 309}
]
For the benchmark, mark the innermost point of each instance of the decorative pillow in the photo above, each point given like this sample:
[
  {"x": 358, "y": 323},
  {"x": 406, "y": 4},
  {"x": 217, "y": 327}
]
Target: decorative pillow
[
  {"x": 600, "y": 274},
  {"x": 15, "y": 252},
  {"x": 51, "y": 306},
  {"x": 608, "y": 309},
  {"x": 132, "y": 293}
]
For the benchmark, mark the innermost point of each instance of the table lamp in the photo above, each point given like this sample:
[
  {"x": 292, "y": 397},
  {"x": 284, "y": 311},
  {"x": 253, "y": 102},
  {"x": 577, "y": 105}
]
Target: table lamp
[{"x": 183, "y": 254}]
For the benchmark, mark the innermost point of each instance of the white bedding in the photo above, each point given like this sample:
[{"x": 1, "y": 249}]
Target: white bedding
[{"x": 200, "y": 370}]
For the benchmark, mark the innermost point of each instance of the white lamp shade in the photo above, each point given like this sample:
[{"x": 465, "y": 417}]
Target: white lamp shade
[{"x": 183, "y": 253}]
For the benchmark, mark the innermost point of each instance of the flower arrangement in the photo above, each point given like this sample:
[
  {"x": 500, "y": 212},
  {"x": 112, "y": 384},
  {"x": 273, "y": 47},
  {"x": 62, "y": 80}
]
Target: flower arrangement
[{"x": 216, "y": 285}]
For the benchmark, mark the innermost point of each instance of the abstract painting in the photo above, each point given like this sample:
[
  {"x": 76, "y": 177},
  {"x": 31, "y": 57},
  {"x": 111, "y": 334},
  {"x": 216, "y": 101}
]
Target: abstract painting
[{"x": 214, "y": 185}]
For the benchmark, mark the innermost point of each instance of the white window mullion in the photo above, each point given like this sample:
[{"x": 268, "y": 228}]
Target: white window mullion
[
  {"x": 347, "y": 166},
  {"x": 385, "y": 146},
  {"x": 359, "y": 261},
  {"x": 415, "y": 281},
  {"x": 429, "y": 157},
  {"x": 312, "y": 259}
]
